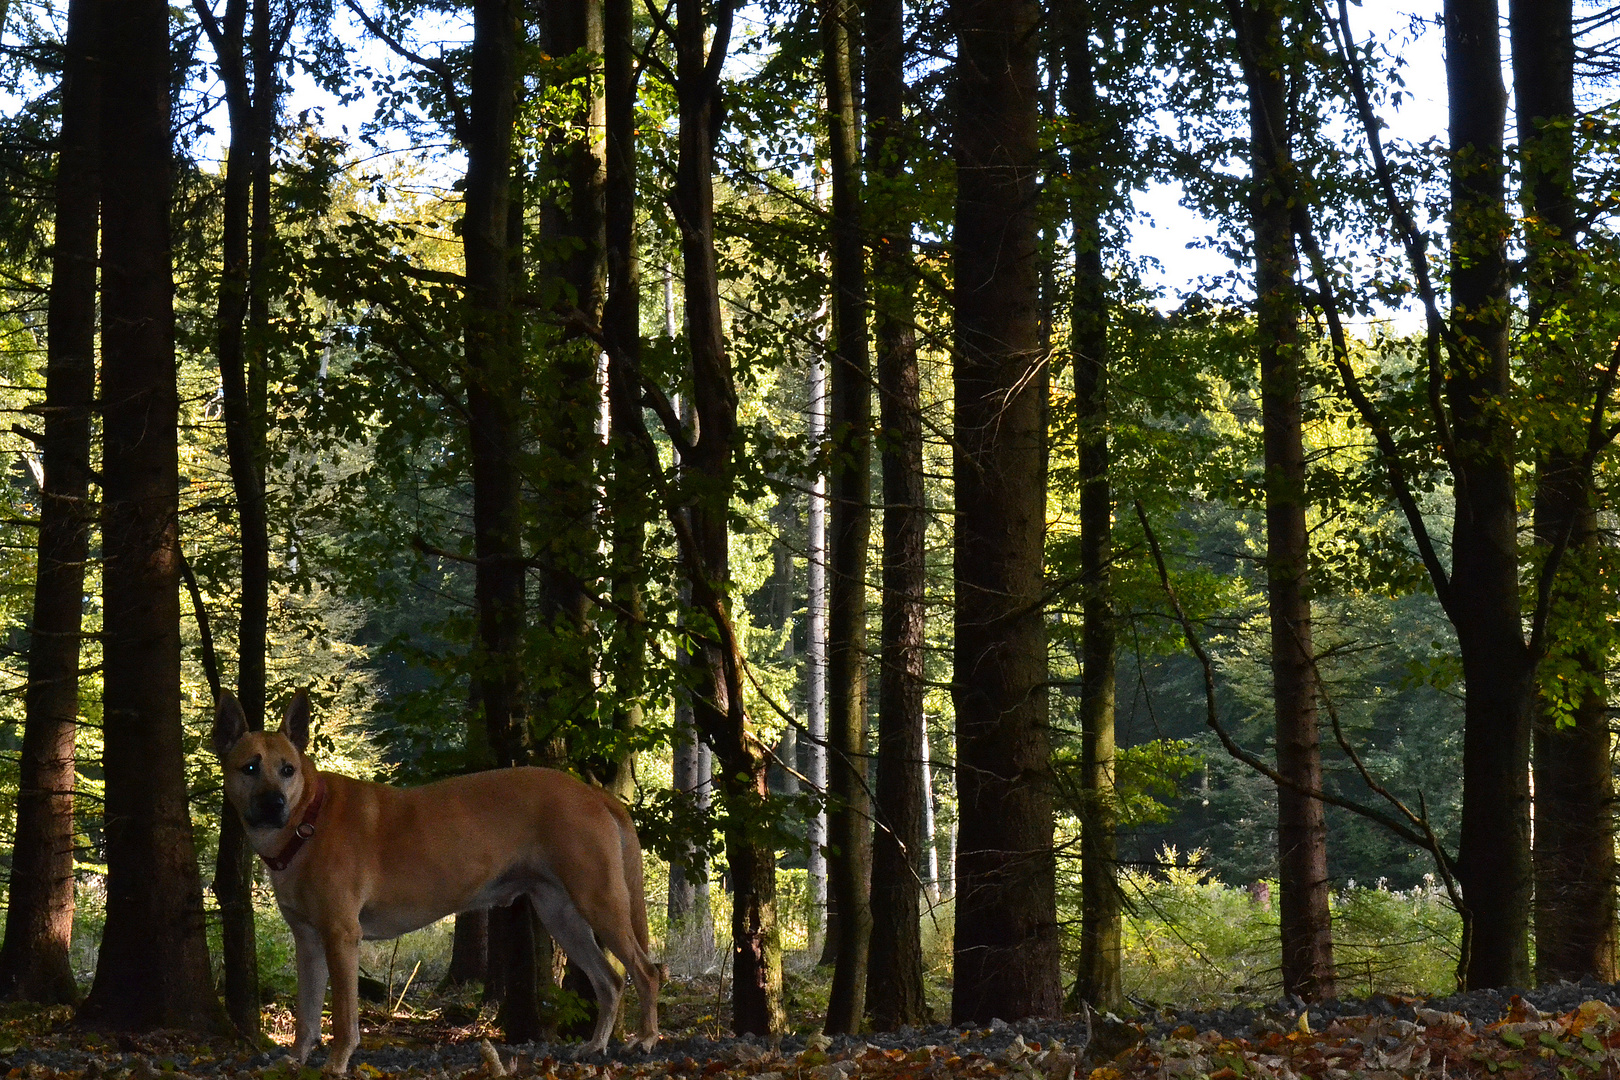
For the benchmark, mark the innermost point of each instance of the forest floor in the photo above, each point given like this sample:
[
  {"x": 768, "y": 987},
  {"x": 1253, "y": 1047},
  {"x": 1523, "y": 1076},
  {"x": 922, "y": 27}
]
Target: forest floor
[{"x": 1563, "y": 1032}]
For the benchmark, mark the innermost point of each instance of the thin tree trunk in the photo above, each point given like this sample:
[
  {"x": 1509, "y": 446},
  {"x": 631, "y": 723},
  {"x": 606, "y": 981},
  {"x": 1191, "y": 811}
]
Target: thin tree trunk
[
  {"x": 1006, "y": 946},
  {"x": 1574, "y": 790},
  {"x": 251, "y": 100},
  {"x": 1493, "y": 863},
  {"x": 153, "y": 966},
  {"x": 621, "y": 322},
  {"x": 931, "y": 865},
  {"x": 1306, "y": 922},
  {"x": 895, "y": 990},
  {"x": 815, "y": 667},
  {"x": 1097, "y": 981},
  {"x": 849, "y": 815},
  {"x": 718, "y": 698},
  {"x": 34, "y": 961}
]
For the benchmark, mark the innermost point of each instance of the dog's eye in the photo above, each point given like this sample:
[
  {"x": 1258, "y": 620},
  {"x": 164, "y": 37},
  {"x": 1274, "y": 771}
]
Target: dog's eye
[
  {"x": 251, "y": 768},
  {"x": 287, "y": 768}
]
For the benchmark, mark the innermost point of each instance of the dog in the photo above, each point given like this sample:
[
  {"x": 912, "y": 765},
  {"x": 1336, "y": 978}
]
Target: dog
[{"x": 352, "y": 860}]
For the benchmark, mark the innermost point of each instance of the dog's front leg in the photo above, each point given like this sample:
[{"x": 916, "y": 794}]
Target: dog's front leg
[
  {"x": 343, "y": 958},
  {"x": 311, "y": 954}
]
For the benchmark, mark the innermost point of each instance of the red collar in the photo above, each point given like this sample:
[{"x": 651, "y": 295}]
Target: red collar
[{"x": 305, "y": 829}]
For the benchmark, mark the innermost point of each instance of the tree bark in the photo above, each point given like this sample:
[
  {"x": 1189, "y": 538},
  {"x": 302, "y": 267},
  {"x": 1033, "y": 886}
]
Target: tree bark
[
  {"x": 494, "y": 383},
  {"x": 1494, "y": 854},
  {"x": 1574, "y": 854},
  {"x": 718, "y": 703},
  {"x": 691, "y": 921},
  {"x": 573, "y": 266},
  {"x": 895, "y": 991},
  {"x": 153, "y": 966},
  {"x": 621, "y": 321},
  {"x": 1097, "y": 980},
  {"x": 849, "y": 813},
  {"x": 815, "y": 666},
  {"x": 1006, "y": 946},
  {"x": 251, "y": 94},
  {"x": 469, "y": 949},
  {"x": 34, "y": 961},
  {"x": 1306, "y": 920}
]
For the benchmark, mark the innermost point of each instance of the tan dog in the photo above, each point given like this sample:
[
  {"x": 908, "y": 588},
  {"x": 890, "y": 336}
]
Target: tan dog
[{"x": 352, "y": 860}]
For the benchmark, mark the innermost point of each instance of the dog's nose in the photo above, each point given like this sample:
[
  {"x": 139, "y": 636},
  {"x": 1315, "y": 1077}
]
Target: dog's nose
[{"x": 269, "y": 808}]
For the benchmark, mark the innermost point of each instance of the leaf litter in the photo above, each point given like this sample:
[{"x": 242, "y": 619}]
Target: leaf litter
[{"x": 1382, "y": 1038}]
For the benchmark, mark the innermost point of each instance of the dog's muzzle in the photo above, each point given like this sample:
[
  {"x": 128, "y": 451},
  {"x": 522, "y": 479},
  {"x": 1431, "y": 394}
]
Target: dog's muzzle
[{"x": 267, "y": 810}]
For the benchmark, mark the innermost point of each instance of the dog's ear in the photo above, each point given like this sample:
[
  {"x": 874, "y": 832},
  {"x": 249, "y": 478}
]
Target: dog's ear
[
  {"x": 295, "y": 725},
  {"x": 230, "y": 723}
]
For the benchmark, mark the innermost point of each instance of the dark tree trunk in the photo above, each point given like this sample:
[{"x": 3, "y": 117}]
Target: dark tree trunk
[
  {"x": 251, "y": 97},
  {"x": 1006, "y": 946},
  {"x": 1097, "y": 981},
  {"x": 491, "y": 342},
  {"x": 1494, "y": 857},
  {"x": 469, "y": 950},
  {"x": 894, "y": 981},
  {"x": 494, "y": 379},
  {"x": 1493, "y": 863},
  {"x": 573, "y": 261},
  {"x": 34, "y": 963},
  {"x": 718, "y": 696},
  {"x": 621, "y": 322},
  {"x": 153, "y": 966},
  {"x": 1574, "y": 790},
  {"x": 1306, "y": 921},
  {"x": 849, "y": 816},
  {"x": 573, "y": 265}
]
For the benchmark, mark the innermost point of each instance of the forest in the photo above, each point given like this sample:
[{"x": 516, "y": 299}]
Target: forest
[{"x": 777, "y": 415}]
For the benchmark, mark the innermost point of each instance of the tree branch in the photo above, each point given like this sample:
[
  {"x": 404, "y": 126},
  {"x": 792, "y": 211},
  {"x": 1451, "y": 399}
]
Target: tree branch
[{"x": 440, "y": 69}]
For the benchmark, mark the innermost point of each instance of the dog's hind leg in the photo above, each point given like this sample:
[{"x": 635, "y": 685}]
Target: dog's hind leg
[
  {"x": 625, "y": 944},
  {"x": 564, "y": 922},
  {"x": 311, "y": 955}
]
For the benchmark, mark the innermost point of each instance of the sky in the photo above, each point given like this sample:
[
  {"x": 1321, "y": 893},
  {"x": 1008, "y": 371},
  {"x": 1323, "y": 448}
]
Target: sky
[{"x": 1408, "y": 28}]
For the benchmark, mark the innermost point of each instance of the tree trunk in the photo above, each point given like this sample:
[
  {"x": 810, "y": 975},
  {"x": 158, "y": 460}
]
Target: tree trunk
[
  {"x": 894, "y": 984},
  {"x": 34, "y": 962},
  {"x": 930, "y": 828},
  {"x": 1006, "y": 946},
  {"x": 469, "y": 949},
  {"x": 815, "y": 663},
  {"x": 572, "y": 264},
  {"x": 251, "y": 102},
  {"x": 493, "y": 386},
  {"x": 718, "y": 696},
  {"x": 153, "y": 966},
  {"x": 621, "y": 321},
  {"x": 691, "y": 921},
  {"x": 1306, "y": 921},
  {"x": 1574, "y": 790},
  {"x": 849, "y": 813},
  {"x": 1097, "y": 981},
  {"x": 1493, "y": 863}
]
